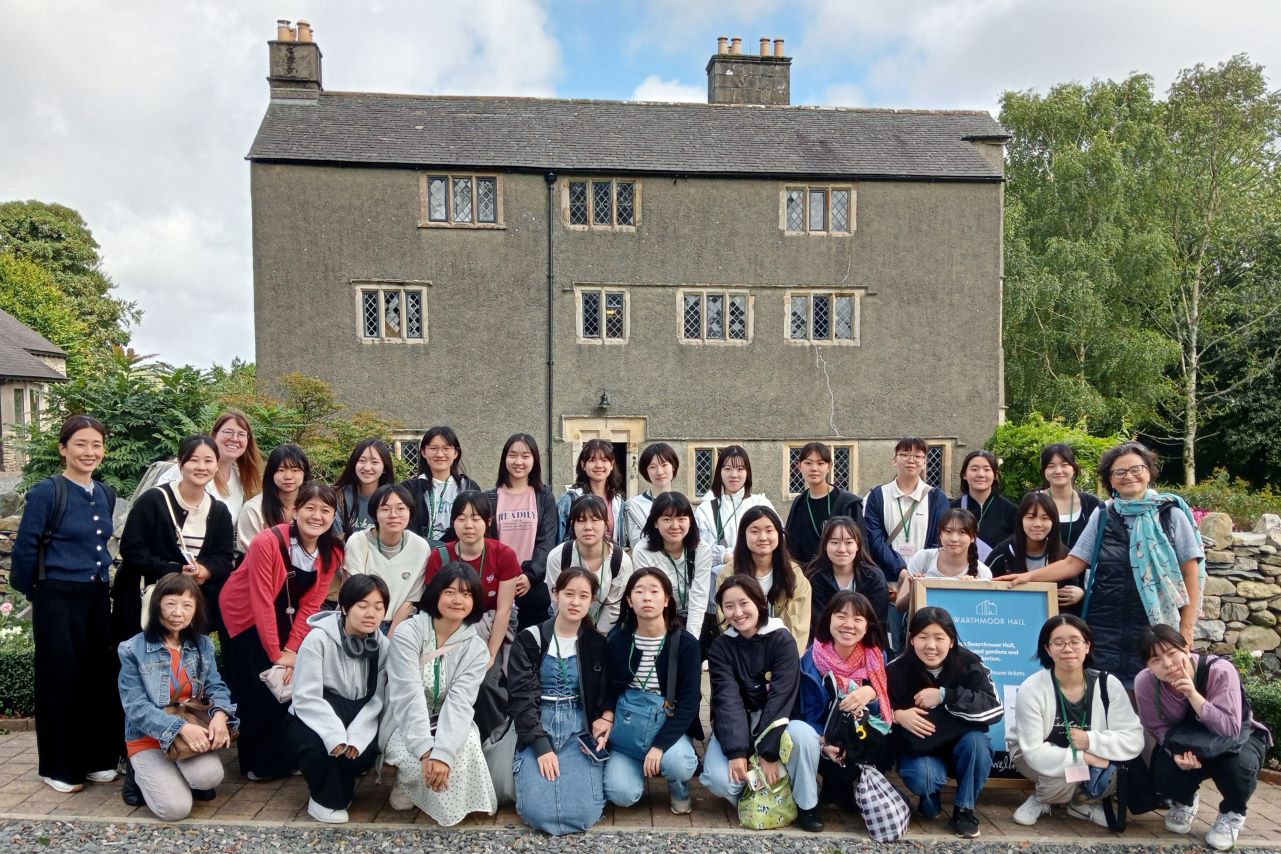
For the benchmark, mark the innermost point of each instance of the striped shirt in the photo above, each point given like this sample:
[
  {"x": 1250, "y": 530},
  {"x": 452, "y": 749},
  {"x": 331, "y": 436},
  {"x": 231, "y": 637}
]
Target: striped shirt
[{"x": 647, "y": 669}]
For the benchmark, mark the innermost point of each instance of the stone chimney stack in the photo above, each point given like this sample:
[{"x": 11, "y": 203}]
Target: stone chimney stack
[
  {"x": 737, "y": 78},
  {"x": 293, "y": 63}
]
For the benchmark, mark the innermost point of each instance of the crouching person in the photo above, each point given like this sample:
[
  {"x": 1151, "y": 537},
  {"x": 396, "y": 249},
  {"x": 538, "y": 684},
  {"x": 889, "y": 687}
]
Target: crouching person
[
  {"x": 339, "y": 690},
  {"x": 172, "y": 761},
  {"x": 1195, "y": 708}
]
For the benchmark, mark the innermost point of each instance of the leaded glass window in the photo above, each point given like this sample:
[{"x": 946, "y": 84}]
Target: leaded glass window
[
  {"x": 823, "y": 316},
  {"x": 840, "y": 210},
  {"x": 487, "y": 200},
  {"x": 393, "y": 313},
  {"x": 369, "y": 311},
  {"x": 437, "y": 195},
  {"x": 413, "y": 314},
  {"x": 714, "y": 316},
  {"x": 795, "y": 480},
  {"x": 462, "y": 200},
  {"x": 615, "y": 316},
  {"x": 591, "y": 314},
  {"x": 704, "y": 467},
  {"x": 692, "y": 316},
  {"x": 737, "y": 318},
  {"x": 602, "y": 203},
  {"x": 842, "y": 467},
  {"x": 626, "y": 203},
  {"x": 934, "y": 458},
  {"x": 795, "y": 210},
  {"x": 818, "y": 210},
  {"x": 578, "y": 203}
]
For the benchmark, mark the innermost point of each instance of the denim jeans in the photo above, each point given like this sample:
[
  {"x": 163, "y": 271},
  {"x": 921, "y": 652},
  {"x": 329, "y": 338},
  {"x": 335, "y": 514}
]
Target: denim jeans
[
  {"x": 575, "y": 800},
  {"x": 802, "y": 768},
  {"x": 625, "y": 776},
  {"x": 970, "y": 761}
]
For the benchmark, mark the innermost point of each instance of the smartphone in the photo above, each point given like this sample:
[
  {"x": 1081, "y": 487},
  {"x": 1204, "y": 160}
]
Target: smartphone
[
  {"x": 755, "y": 780},
  {"x": 589, "y": 744}
]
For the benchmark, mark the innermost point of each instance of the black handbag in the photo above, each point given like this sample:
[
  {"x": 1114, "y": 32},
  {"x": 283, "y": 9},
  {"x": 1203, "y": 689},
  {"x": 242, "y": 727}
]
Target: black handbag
[
  {"x": 860, "y": 741},
  {"x": 1192, "y": 735},
  {"x": 1135, "y": 787}
]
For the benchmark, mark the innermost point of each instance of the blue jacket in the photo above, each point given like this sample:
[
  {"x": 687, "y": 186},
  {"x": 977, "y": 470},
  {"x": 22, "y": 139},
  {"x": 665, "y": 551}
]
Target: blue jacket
[
  {"x": 78, "y": 551},
  {"x": 815, "y": 700},
  {"x": 890, "y": 561},
  {"x": 146, "y": 669}
]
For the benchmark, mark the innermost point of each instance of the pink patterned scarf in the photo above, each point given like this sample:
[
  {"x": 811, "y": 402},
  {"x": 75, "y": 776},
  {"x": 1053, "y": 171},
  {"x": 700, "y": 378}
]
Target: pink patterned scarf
[{"x": 865, "y": 663}]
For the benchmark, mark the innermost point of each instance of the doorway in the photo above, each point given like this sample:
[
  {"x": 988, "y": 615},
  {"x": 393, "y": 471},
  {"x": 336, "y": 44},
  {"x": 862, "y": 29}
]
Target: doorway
[{"x": 626, "y": 435}]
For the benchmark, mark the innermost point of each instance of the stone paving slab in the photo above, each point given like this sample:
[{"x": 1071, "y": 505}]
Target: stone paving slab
[{"x": 275, "y": 803}]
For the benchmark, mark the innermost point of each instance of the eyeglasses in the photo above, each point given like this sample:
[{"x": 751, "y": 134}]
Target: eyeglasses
[
  {"x": 233, "y": 434},
  {"x": 1060, "y": 645},
  {"x": 1132, "y": 471},
  {"x": 438, "y": 450},
  {"x": 916, "y": 458},
  {"x": 393, "y": 511}
]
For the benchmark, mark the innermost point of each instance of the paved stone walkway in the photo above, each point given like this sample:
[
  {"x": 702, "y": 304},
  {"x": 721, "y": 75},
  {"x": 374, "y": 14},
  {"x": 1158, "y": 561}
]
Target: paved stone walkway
[{"x": 23, "y": 795}]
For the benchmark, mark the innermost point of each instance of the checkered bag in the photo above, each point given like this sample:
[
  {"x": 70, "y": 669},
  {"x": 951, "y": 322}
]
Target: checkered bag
[{"x": 884, "y": 810}]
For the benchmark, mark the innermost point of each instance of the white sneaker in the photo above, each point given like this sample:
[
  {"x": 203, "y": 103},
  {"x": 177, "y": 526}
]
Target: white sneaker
[
  {"x": 102, "y": 776},
  {"x": 1088, "y": 812},
  {"x": 1226, "y": 828},
  {"x": 59, "y": 786},
  {"x": 1179, "y": 818},
  {"x": 1032, "y": 809},
  {"x": 398, "y": 800},
  {"x": 325, "y": 814},
  {"x": 684, "y": 807}
]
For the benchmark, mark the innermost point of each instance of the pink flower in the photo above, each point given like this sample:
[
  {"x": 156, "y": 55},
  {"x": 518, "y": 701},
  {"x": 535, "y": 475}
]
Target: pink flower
[{"x": 6, "y": 607}]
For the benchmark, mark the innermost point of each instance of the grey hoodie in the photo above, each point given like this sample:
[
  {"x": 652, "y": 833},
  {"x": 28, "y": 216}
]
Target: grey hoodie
[
  {"x": 466, "y": 658},
  {"x": 322, "y": 664}
]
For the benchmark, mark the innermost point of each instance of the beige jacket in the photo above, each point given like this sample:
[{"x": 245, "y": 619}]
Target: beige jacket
[{"x": 794, "y": 612}]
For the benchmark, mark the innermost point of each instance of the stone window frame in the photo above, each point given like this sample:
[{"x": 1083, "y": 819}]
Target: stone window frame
[
  {"x": 424, "y": 218},
  {"x": 591, "y": 224},
  {"x": 848, "y": 445},
  {"x": 692, "y": 452},
  {"x": 943, "y": 450},
  {"x": 807, "y": 228},
  {"x": 833, "y": 293},
  {"x": 361, "y": 287},
  {"x": 728, "y": 293},
  {"x": 603, "y": 290},
  {"x": 404, "y": 446}
]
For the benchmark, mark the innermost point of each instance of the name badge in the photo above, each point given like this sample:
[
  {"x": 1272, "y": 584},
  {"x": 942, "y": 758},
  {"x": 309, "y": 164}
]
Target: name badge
[
  {"x": 905, "y": 549},
  {"x": 1075, "y": 770}
]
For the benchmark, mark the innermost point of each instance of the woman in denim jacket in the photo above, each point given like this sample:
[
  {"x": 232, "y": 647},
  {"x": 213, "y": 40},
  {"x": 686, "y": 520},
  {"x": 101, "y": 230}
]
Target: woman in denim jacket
[{"x": 172, "y": 660}]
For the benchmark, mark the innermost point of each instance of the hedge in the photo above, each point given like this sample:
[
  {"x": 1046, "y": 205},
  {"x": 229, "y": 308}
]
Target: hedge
[
  {"x": 1018, "y": 445},
  {"x": 17, "y": 671}
]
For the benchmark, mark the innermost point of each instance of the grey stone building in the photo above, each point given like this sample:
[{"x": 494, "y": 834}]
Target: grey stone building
[
  {"x": 742, "y": 271},
  {"x": 29, "y": 362}
]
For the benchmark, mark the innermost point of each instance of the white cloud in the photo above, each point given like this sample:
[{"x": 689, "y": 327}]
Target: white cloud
[
  {"x": 844, "y": 95},
  {"x": 139, "y": 116},
  {"x": 654, "y": 88}
]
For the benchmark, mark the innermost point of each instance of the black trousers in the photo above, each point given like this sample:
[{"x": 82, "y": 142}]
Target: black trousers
[
  {"x": 79, "y": 720},
  {"x": 331, "y": 780},
  {"x": 262, "y": 716},
  {"x": 1235, "y": 776}
]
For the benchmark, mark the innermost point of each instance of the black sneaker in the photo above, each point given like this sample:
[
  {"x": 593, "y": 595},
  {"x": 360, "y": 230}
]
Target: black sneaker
[
  {"x": 203, "y": 794},
  {"x": 809, "y": 820},
  {"x": 129, "y": 792},
  {"x": 965, "y": 823}
]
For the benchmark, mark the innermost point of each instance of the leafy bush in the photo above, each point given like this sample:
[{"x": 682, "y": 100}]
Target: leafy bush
[
  {"x": 17, "y": 670},
  {"x": 1018, "y": 445},
  {"x": 1232, "y": 496},
  {"x": 1265, "y": 701}
]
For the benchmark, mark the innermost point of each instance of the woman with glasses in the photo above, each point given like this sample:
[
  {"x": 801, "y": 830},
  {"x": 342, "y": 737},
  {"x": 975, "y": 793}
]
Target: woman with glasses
[
  {"x": 441, "y": 478},
  {"x": 390, "y": 552},
  {"x": 1073, "y": 726},
  {"x": 1143, "y": 557},
  {"x": 240, "y": 464}
]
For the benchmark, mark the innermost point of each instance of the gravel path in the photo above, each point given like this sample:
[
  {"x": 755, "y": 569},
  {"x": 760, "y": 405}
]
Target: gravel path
[{"x": 89, "y": 836}]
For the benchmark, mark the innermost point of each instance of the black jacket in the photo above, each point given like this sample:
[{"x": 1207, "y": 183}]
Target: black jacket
[
  {"x": 969, "y": 698},
  {"x": 621, "y": 663},
  {"x": 149, "y": 550},
  {"x": 868, "y": 581},
  {"x": 525, "y": 688},
  {"x": 421, "y": 488},
  {"x": 738, "y": 668},
  {"x": 997, "y": 522},
  {"x": 802, "y": 539}
]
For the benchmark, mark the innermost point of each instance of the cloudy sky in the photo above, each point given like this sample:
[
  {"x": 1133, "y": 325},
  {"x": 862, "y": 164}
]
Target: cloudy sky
[{"x": 139, "y": 113}]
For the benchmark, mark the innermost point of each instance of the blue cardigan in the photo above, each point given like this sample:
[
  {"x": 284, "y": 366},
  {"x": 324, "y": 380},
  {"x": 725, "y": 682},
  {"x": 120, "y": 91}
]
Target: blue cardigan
[
  {"x": 890, "y": 561},
  {"x": 78, "y": 551}
]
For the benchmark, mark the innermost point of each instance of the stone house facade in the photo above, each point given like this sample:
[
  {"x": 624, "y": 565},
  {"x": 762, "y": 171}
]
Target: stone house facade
[
  {"x": 742, "y": 271},
  {"x": 28, "y": 364}
]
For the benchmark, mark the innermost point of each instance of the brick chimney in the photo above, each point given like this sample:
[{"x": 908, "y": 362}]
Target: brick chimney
[
  {"x": 737, "y": 78},
  {"x": 293, "y": 62}
]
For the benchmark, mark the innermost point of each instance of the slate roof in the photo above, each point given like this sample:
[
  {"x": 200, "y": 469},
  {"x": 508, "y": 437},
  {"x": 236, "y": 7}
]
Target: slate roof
[
  {"x": 17, "y": 344},
  {"x": 532, "y": 134}
]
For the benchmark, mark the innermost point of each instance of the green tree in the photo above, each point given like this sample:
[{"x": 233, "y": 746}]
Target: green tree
[
  {"x": 29, "y": 293},
  {"x": 58, "y": 239},
  {"x": 1018, "y": 445}
]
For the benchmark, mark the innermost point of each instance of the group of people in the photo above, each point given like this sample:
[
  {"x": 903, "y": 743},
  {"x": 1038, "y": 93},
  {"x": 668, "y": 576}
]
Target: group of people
[{"x": 508, "y": 641}]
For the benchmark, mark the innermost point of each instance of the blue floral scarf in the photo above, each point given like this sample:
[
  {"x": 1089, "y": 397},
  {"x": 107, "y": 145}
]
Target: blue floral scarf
[{"x": 1153, "y": 560}]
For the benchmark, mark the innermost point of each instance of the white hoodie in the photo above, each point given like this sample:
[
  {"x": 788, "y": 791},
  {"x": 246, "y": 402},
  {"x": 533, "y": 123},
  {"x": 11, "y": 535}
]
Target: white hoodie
[
  {"x": 732, "y": 507},
  {"x": 322, "y": 663}
]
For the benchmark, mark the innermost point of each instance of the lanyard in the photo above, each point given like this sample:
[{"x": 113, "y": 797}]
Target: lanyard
[
  {"x": 653, "y": 665},
  {"x": 480, "y": 570},
  {"x": 983, "y": 505},
  {"x": 733, "y": 517},
  {"x": 682, "y": 584},
  {"x": 602, "y": 597},
  {"x": 1071, "y": 515},
  {"x": 1084, "y": 723},
  {"x": 435, "y": 668},
  {"x": 810, "y": 507},
  {"x": 906, "y": 519},
  {"x": 564, "y": 667}
]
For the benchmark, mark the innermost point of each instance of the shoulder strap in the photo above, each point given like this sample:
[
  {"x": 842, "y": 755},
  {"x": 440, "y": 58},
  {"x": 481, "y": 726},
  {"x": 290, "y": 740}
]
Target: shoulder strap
[
  {"x": 1201, "y": 679},
  {"x": 673, "y": 662},
  {"x": 615, "y": 560},
  {"x": 902, "y": 519},
  {"x": 1103, "y": 691},
  {"x": 690, "y": 554},
  {"x": 716, "y": 516},
  {"x": 1105, "y": 511},
  {"x": 51, "y": 524},
  {"x": 284, "y": 545},
  {"x": 566, "y": 554},
  {"x": 543, "y": 642},
  {"x": 442, "y": 552}
]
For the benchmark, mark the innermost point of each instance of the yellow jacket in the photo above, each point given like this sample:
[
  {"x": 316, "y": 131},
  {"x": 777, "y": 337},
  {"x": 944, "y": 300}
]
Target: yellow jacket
[{"x": 794, "y": 612}]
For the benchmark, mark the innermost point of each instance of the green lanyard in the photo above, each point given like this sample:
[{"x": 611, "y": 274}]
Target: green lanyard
[
  {"x": 653, "y": 665},
  {"x": 810, "y": 508},
  {"x": 907, "y": 518},
  {"x": 1084, "y": 723},
  {"x": 440, "y": 505},
  {"x": 436, "y": 666},
  {"x": 603, "y": 595},
  {"x": 682, "y": 584}
]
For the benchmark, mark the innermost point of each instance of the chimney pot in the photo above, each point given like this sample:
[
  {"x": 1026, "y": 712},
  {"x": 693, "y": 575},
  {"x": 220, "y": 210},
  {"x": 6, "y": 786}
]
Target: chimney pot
[
  {"x": 284, "y": 32},
  {"x": 293, "y": 63},
  {"x": 778, "y": 47},
  {"x": 304, "y": 32},
  {"x": 736, "y": 46},
  {"x": 764, "y": 47},
  {"x": 722, "y": 45}
]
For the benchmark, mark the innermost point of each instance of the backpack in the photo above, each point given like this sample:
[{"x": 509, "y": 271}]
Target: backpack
[{"x": 1135, "y": 786}]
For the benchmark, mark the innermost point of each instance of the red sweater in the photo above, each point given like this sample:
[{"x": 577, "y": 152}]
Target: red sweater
[{"x": 248, "y": 599}]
